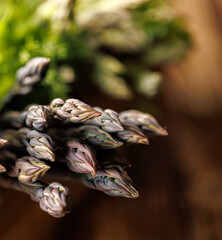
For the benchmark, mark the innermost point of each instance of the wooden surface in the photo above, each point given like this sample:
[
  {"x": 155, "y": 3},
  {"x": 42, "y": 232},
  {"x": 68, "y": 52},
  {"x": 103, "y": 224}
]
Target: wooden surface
[{"x": 179, "y": 177}]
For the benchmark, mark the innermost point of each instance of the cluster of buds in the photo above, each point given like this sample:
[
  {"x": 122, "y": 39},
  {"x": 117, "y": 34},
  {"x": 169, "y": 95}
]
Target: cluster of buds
[
  {"x": 74, "y": 138},
  {"x": 28, "y": 76}
]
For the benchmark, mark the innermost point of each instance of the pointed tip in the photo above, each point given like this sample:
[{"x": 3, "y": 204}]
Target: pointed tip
[
  {"x": 163, "y": 132},
  {"x": 143, "y": 140},
  {"x": 118, "y": 127},
  {"x": 47, "y": 60},
  {"x": 156, "y": 130},
  {"x": 44, "y": 170},
  {"x": 135, "y": 195},
  {"x": 46, "y": 167},
  {"x": 44, "y": 63},
  {"x": 52, "y": 158},
  {"x": 119, "y": 144},
  {"x": 90, "y": 169},
  {"x": 93, "y": 172},
  {"x": 2, "y": 169},
  {"x": 121, "y": 129}
]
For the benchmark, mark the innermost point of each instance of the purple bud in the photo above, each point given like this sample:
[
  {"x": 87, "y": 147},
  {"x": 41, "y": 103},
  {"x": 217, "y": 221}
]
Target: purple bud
[
  {"x": 30, "y": 169},
  {"x": 33, "y": 71},
  {"x": 108, "y": 120},
  {"x": 113, "y": 181},
  {"x": 39, "y": 117},
  {"x": 145, "y": 121},
  {"x": 73, "y": 109},
  {"x": 98, "y": 137},
  {"x": 132, "y": 134},
  {"x": 54, "y": 199},
  {"x": 39, "y": 145},
  {"x": 81, "y": 158}
]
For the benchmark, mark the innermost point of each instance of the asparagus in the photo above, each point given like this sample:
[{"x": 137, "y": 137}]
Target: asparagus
[
  {"x": 54, "y": 198},
  {"x": 30, "y": 169},
  {"x": 132, "y": 134},
  {"x": 84, "y": 151},
  {"x": 38, "y": 117},
  {"x": 28, "y": 76},
  {"x": 98, "y": 137},
  {"x": 108, "y": 120},
  {"x": 112, "y": 181},
  {"x": 81, "y": 158},
  {"x": 145, "y": 121},
  {"x": 73, "y": 109},
  {"x": 34, "y": 71},
  {"x": 39, "y": 145}
]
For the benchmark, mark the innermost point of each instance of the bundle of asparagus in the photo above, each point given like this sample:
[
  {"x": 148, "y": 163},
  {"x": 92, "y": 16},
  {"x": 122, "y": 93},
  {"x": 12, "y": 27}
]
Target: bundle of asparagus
[{"x": 69, "y": 139}]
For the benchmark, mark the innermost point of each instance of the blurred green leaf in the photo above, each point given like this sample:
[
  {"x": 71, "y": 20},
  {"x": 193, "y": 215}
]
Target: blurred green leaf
[{"x": 108, "y": 42}]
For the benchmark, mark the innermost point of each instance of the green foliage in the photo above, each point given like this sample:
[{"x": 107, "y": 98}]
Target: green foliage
[
  {"x": 89, "y": 37},
  {"x": 25, "y": 35}
]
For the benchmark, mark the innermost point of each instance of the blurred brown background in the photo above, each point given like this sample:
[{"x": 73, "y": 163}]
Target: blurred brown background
[{"x": 179, "y": 177}]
